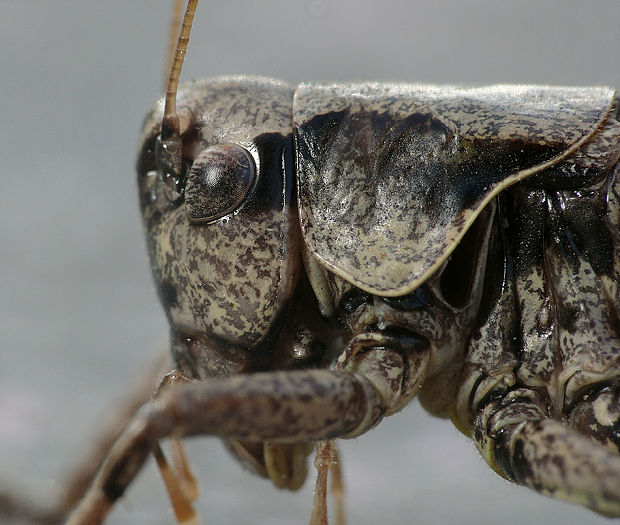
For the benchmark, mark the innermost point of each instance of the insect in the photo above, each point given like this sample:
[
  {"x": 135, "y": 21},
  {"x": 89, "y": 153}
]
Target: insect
[{"x": 464, "y": 241}]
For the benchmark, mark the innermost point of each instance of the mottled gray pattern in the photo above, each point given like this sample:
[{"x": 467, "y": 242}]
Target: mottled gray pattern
[
  {"x": 552, "y": 318},
  {"x": 547, "y": 344},
  {"x": 522, "y": 444},
  {"x": 512, "y": 317},
  {"x": 598, "y": 413},
  {"x": 391, "y": 176},
  {"x": 442, "y": 324},
  {"x": 546, "y": 333},
  {"x": 227, "y": 280},
  {"x": 281, "y": 407},
  {"x": 228, "y": 109}
]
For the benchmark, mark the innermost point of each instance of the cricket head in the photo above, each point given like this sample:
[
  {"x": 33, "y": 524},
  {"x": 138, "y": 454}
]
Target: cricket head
[{"x": 215, "y": 183}]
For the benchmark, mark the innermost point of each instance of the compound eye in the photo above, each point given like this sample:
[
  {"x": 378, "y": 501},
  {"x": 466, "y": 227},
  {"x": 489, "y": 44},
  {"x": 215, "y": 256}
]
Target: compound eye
[{"x": 219, "y": 180}]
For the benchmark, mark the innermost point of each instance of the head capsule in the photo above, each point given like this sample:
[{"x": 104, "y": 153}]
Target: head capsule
[{"x": 221, "y": 235}]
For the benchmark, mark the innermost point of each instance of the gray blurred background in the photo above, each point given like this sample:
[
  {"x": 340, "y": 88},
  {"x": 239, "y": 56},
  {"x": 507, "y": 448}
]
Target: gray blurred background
[{"x": 79, "y": 320}]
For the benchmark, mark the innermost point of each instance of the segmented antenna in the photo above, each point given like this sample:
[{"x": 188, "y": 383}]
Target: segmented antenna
[
  {"x": 170, "y": 124},
  {"x": 173, "y": 36}
]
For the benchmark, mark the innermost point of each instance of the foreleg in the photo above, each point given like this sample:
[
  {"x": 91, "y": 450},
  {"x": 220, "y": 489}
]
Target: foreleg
[{"x": 283, "y": 407}]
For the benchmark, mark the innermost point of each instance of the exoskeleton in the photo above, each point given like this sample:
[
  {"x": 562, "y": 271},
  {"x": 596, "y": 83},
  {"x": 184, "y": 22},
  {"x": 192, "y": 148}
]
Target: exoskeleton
[{"x": 324, "y": 253}]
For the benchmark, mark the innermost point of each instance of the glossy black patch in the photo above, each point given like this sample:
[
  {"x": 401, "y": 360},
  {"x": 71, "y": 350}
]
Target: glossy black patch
[
  {"x": 499, "y": 271},
  {"x": 565, "y": 176},
  {"x": 416, "y": 300},
  {"x": 457, "y": 278},
  {"x": 524, "y": 212},
  {"x": 579, "y": 224},
  {"x": 501, "y": 453},
  {"x": 354, "y": 299},
  {"x": 522, "y": 471}
]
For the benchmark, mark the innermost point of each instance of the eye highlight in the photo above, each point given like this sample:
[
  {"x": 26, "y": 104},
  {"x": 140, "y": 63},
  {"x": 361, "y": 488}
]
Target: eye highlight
[{"x": 218, "y": 182}]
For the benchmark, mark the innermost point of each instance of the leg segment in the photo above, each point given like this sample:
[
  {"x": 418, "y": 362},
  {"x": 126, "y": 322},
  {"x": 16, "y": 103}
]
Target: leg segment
[
  {"x": 327, "y": 461},
  {"x": 322, "y": 463},
  {"x": 183, "y": 470},
  {"x": 337, "y": 486},
  {"x": 181, "y": 503},
  {"x": 14, "y": 506},
  {"x": 522, "y": 444},
  {"x": 277, "y": 406},
  {"x": 180, "y": 482}
]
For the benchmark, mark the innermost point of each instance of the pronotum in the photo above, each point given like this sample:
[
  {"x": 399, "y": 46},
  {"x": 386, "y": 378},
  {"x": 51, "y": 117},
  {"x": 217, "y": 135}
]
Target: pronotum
[{"x": 305, "y": 76}]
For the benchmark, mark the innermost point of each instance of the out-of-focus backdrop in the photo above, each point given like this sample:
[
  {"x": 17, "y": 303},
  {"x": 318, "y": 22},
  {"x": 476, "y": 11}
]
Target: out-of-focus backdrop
[{"x": 79, "y": 319}]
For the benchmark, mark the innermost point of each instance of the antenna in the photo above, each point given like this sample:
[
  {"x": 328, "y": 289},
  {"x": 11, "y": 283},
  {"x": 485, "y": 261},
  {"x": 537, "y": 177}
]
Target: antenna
[
  {"x": 173, "y": 36},
  {"x": 170, "y": 123}
]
